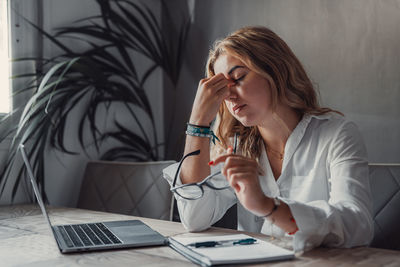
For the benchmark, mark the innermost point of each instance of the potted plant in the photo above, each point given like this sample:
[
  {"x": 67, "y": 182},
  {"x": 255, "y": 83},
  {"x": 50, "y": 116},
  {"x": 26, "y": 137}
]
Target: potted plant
[{"x": 104, "y": 74}]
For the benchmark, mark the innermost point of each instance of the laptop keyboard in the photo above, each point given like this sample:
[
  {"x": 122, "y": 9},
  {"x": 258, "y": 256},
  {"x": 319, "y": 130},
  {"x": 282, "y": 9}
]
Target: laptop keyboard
[{"x": 86, "y": 235}]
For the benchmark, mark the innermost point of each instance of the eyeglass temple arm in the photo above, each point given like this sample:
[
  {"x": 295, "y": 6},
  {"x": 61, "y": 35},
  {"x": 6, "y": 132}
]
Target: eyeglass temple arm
[{"x": 196, "y": 152}]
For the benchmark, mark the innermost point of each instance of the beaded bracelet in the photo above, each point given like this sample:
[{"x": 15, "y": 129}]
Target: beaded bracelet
[{"x": 200, "y": 131}]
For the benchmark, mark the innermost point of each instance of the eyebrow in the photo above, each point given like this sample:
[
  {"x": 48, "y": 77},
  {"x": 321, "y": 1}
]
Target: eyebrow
[{"x": 234, "y": 68}]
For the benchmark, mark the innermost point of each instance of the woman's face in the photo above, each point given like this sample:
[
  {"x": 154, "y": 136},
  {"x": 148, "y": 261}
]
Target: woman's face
[{"x": 250, "y": 97}]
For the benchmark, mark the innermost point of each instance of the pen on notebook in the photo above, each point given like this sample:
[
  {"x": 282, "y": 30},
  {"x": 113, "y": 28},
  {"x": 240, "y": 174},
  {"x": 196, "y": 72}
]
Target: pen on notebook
[{"x": 246, "y": 241}]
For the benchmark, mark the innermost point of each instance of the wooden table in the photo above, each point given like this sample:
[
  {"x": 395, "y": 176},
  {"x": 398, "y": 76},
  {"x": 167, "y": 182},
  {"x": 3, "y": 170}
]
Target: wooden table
[{"x": 26, "y": 240}]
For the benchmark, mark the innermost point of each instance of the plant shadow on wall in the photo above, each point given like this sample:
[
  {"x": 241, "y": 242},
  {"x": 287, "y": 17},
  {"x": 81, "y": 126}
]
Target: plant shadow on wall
[{"x": 105, "y": 74}]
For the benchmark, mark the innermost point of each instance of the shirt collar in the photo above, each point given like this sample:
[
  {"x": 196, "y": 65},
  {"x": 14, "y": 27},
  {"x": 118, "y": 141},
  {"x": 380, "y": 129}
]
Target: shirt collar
[{"x": 297, "y": 135}]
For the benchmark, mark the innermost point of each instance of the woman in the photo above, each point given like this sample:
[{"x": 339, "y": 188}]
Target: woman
[{"x": 300, "y": 169}]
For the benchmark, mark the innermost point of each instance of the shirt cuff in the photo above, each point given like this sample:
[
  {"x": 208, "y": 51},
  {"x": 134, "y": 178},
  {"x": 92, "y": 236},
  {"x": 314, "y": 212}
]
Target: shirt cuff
[{"x": 310, "y": 222}]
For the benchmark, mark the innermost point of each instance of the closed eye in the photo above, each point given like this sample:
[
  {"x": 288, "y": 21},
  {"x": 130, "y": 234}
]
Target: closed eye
[{"x": 238, "y": 79}]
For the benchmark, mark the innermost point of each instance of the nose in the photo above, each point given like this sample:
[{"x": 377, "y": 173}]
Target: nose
[{"x": 233, "y": 95}]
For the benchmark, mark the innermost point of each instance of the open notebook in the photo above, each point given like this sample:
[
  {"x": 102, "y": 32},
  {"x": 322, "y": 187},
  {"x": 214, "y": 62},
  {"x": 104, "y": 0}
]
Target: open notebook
[{"x": 227, "y": 249}]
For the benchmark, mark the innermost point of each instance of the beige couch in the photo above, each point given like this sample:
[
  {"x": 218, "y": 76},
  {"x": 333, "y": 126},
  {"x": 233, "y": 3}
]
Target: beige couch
[{"x": 134, "y": 188}]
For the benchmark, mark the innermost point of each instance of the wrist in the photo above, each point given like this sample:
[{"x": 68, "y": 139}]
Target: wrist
[
  {"x": 200, "y": 131},
  {"x": 263, "y": 206},
  {"x": 202, "y": 126},
  {"x": 200, "y": 121},
  {"x": 273, "y": 205}
]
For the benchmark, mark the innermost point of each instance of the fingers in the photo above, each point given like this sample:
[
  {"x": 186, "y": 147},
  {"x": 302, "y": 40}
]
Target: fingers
[
  {"x": 210, "y": 81},
  {"x": 234, "y": 159},
  {"x": 220, "y": 159},
  {"x": 231, "y": 159},
  {"x": 217, "y": 85},
  {"x": 215, "y": 79},
  {"x": 239, "y": 169},
  {"x": 239, "y": 178},
  {"x": 209, "y": 96},
  {"x": 234, "y": 164}
]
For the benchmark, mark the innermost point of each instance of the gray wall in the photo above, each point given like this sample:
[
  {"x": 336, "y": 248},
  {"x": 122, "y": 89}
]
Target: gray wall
[{"x": 349, "y": 48}]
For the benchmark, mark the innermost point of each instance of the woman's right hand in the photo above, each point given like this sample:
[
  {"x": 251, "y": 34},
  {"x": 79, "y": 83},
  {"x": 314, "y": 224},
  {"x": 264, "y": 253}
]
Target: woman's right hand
[{"x": 210, "y": 94}]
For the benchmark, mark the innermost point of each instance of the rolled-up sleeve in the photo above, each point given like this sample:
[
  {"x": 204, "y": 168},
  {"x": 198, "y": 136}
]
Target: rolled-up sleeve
[
  {"x": 344, "y": 220},
  {"x": 200, "y": 214}
]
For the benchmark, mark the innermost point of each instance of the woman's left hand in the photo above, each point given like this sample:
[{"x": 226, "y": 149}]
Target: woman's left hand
[{"x": 242, "y": 174}]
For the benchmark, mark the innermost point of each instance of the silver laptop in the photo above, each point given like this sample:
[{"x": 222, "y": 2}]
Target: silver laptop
[{"x": 96, "y": 236}]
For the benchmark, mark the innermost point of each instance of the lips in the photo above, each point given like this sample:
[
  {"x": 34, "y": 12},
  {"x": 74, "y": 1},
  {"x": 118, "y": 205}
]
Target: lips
[{"x": 237, "y": 108}]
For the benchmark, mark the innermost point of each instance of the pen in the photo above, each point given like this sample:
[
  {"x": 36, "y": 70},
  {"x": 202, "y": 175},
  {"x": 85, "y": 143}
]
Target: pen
[
  {"x": 246, "y": 241},
  {"x": 235, "y": 143}
]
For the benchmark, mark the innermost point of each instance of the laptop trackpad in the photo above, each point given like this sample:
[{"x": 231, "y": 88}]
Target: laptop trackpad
[{"x": 135, "y": 231}]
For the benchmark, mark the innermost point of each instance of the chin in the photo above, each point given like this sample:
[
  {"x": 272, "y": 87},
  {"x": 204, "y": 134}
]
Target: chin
[{"x": 245, "y": 122}]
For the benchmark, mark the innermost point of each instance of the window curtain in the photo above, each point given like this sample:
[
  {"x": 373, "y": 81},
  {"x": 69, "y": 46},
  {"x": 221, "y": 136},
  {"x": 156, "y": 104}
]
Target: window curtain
[{"x": 24, "y": 42}]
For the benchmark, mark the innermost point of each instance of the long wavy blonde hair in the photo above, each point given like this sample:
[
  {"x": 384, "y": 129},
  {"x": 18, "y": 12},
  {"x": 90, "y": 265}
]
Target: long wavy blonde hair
[{"x": 265, "y": 53}]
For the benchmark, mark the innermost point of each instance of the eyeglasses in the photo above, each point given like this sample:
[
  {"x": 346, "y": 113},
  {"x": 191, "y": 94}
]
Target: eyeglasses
[{"x": 194, "y": 191}]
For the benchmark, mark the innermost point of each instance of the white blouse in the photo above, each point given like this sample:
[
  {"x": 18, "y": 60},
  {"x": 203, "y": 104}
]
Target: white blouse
[{"x": 324, "y": 181}]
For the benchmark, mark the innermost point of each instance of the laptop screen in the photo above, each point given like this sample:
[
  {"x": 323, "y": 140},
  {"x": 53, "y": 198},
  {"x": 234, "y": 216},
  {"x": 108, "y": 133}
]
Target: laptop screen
[{"x": 34, "y": 184}]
